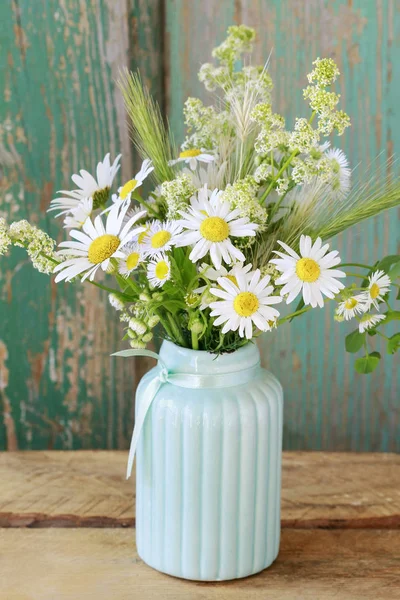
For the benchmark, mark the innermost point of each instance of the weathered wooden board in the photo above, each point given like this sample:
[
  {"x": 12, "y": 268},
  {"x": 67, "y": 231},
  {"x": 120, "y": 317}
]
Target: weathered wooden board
[
  {"x": 101, "y": 564},
  {"x": 327, "y": 405},
  {"x": 61, "y": 111},
  {"x": 88, "y": 489}
]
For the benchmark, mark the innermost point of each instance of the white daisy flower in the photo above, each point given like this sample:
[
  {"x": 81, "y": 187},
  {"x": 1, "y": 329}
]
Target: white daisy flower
[
  {"x": 340, "y": 181},
  {"x": 133, "y": 256},
  {"x": 214, "y": 274},
  {"x": 88, "y": 187},
  {"x": 211, "y": 224},
  {"x": 96, "y": 244},
  {"x": 192, "y": 157},
  {"x": 379, "y": 285},
  {"x": 160, "y": 237},
  {"x": 130, "y": 186},
  {"x": 369, "y": 321},
  {"x": 159, "y": 270},
  {"x": 355, "y": 305},
  {"x": 311, "y": 273},
  {"x": 245, "y": 304},
  {"x": 78, "y": 215}
]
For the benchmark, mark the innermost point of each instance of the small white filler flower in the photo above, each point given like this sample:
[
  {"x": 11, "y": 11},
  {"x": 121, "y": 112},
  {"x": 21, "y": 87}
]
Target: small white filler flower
[
  {"x": 211, "y": 224},
  {"x": 379, "y": 285},
  {"x": 88, "y": 187},
  {"x": 311, "y": 273},
  {"x": 245, "y": 304},
  {"x": 96, "y": 244},
  {"x": 192, "y": 157},
  {"x": 369, "y": 321}
]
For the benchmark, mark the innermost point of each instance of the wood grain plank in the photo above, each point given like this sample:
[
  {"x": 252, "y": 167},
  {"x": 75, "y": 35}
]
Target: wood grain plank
[
  {"x": 102, "y": 564},
  {"x": 88, "y": 489}
]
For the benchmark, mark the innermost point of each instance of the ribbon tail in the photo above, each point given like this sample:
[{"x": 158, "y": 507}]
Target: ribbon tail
[{"x": 140, "y": 419}]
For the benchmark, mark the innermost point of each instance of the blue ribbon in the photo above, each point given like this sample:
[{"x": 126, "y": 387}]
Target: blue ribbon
[{"x": 186, "y": 380}]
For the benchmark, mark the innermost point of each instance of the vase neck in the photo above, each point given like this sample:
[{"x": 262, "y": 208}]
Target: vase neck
[{"x": 183, "y": 360}]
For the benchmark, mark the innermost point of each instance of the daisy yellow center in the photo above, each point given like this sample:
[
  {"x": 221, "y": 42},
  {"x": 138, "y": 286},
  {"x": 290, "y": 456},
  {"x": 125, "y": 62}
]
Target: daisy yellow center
[
  {"x": 350, "y": 303},
  {"x": 132, "y": 260},
  {"x": 127, "y": 188},
  {"x": 246, "y": 304},
  {"x": 190, "y": 153},
  {"x": 214, "y": 229},
  {"x": 233, "y": 279},
  {"x": 142, "y": 235},
  {"x": 102, "y": 248},
  {"x": 159, "y": 239},
  {"x": 374, "y": 291},
  {"x": 161, "y": 270},
  {"x": 307, "y": 270}
]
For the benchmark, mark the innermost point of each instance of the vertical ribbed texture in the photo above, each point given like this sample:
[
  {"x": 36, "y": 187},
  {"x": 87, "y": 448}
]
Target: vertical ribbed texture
[{"x": 208, "y": 480}]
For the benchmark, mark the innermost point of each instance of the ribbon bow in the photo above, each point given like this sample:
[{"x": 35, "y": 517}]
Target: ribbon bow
[
  {"x": 162, "y": 377},
  {"x": 186, "y": 380}
]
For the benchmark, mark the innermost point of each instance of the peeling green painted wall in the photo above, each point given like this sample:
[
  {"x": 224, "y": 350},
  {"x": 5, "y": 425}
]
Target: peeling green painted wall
[{"x": 60, "y": 111}]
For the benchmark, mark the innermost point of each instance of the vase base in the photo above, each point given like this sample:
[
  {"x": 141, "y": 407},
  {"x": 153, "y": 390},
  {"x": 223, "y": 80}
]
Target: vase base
[{"x": 210, "y": 579}]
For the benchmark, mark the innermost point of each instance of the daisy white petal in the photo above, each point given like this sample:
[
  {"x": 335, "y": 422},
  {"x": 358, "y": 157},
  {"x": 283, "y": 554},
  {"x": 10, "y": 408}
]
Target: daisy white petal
[
  {"x": 379, "y": 285},
  {"x": 242, "y": 309},
  {"x": 88, "y": 187},
  {"x": 369, "y": 321},
  {"x": 159, "y": 270},
  {"x": 310, "y": 273},
  {"x": 95, "y": 247}
]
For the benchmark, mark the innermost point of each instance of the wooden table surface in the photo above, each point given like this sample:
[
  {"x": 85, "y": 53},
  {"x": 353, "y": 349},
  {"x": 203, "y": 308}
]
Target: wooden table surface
[{"x": 67, "y": 532}]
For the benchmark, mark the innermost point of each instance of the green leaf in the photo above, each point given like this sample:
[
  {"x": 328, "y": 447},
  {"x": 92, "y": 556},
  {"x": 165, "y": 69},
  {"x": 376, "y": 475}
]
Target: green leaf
[
  {"x": 393, "y": 343},
  {"x": 392, "y": 315},
  {"x": 386, "y": 263},
  {"x": 354, "y": 341},
  {"x": 394, "y": 272},
  {"x": 368, "y": 363}
]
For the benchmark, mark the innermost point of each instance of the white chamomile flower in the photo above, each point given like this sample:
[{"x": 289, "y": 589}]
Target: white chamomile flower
[
  {"x": 130, "y": 186},
  {"x": 369, "y": 321},
  {"x": 88, "y": 187},
  {"x": 352, "y": 306},
  {"x": 245, "y": 304},
  {"x": 192, "y": 157},
  {"x": 341, "y": 174},
  {"x": 160, "y": 237},
  {"x": 379, "y": 285},
  {"x": 311, "y": 273},
  {"x": 96, "y": 244},
  {"x": 211, "y": 224},
  {"x": 133, "y": 256},
  {"x": 213, "y": 274},
  {"x": 159, "y": 270},
  {"x": 78, "y": 215}
]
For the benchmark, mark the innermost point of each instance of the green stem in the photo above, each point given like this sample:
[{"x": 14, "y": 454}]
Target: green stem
[
  {"x": 354, "y": 274},
  {"x": 195, "y": 341},
  {"x": 279, "y": 173},
  {"x": 175, "y": 330},
  {"x": 382, "y": 334},
  {"x": 356, "y": 265},
  {"x": 295, "y": 314}
]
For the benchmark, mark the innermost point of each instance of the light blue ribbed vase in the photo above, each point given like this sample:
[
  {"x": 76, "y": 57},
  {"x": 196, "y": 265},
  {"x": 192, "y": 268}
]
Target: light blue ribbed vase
[{"x": 208, "y": 472}]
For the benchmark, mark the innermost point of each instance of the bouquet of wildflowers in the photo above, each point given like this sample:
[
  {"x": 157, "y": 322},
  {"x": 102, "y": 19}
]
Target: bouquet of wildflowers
[{"x": 235, "y": 226}]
